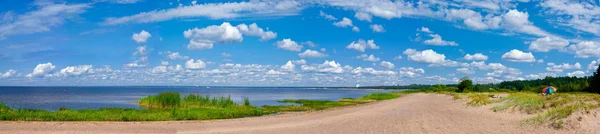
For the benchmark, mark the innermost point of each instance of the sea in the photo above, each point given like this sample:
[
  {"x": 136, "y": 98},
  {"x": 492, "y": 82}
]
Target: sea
[{"x": 54, "y": 98}]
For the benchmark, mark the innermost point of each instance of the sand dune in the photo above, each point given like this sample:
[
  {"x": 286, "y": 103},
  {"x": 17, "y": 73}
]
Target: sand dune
[{"x": 415, "y": 113}]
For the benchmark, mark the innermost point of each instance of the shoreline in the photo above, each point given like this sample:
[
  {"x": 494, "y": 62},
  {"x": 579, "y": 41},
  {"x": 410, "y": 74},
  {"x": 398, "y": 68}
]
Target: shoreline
[{"x": 413, "y": 113}]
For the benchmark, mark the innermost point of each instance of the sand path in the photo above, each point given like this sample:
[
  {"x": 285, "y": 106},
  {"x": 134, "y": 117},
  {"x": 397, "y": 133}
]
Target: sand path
[{"x": 414, "y": 113}]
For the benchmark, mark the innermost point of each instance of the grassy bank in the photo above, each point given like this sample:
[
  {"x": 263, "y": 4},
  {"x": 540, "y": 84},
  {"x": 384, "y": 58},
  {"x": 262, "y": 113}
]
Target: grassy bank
[
  {"x": 172, "y": 106},
  {"x": 550, "y": 110}
]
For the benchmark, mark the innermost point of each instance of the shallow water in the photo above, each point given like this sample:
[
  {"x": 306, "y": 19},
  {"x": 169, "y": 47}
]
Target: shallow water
[{"x": 53, "y": 98}]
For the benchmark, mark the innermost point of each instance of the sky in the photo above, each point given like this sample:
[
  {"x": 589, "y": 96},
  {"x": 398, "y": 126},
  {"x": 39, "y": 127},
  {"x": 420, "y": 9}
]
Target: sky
[{"x": 294, "y": 43}]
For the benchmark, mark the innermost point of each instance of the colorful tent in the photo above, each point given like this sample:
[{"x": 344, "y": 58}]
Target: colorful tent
[{"x": 549, "y": 90}]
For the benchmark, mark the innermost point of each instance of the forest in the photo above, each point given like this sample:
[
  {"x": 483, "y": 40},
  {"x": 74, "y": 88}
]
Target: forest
[{"x": 563, "y": 84}]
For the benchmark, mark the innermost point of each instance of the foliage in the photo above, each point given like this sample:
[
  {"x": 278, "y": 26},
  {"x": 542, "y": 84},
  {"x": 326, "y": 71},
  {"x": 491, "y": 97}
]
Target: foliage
[
  {"x": 311, "y": 105},
  {"x": 379, "y": 96},
  {"x": 162, "y": 100},
  {"x": 595, "y": 82},
  {"x": 479, "y": 99},
  {"x": 465, "y": 84}
]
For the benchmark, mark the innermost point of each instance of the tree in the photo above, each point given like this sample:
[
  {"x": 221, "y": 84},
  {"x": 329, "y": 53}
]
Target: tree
[
  {"x": 465, "y": 84},
  {"x": 595, "y": 84}
]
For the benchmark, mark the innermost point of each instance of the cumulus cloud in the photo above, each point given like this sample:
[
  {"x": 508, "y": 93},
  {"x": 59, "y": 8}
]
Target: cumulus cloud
[
  {"x": 366, "y": 57},
  {"x": 42, "y": 19},
  {"x": 254, "y": 30},
  {"x": 427, "y": 56},
  {"x": 228, "y": 10},
  {"x": 586, "y": 49},
  {"x": 176, "y": 56},
  {"x": 518, "y": 56},
  {"x": 300, "y": 62},
  {"x": 9, "y": 73},
  {"x": 205, "y": 38},
  {"x": 559, "y": 68},
  {"x": 424, "y": 29},
  {"x": 371, "y": 71},
  {"x": 361, "y": 45},
  {"x": 593, "y": 66},
  {"x": 345, "y": 22},
  {"x": 326, "y": 67},
  {"x": 75, "y": 70},
  {"x": 42, "y": 70},
  {"x": 225, "y": 33},
  {"x": 288, "y": 44},
  {"x": 579, "y": 15},
  {"x": 387, "y": 65},
  {"x": 198, "y": 64},
  {"x": 475, "y": 57},
  {"x": 141, "y": 37},
  {"x": 410, "y": 72},
  {"x": 311, "y": 54},
  {"x": 506, "y": 74},
  {"x": 363, "y": 16},
  {"x": 355, "y": 29},
  {"x": 546, "y": 44},
  {"x": 224, "y": 54},
  {"x": 465, "y": 70},
  {"x": 159, "y": 69},
  {"x": 288, "y": 66},
  {"x": 273, "y": 72},
  {"x": 377, "y": 28},
  {"x": 576, "y": 73},
  {"x": 438, "y": 41},
  {"x": 327, "y": 16}
]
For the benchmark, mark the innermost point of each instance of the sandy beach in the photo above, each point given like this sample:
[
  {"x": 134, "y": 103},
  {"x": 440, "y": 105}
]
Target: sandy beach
[{"x": 414, "y": 113}]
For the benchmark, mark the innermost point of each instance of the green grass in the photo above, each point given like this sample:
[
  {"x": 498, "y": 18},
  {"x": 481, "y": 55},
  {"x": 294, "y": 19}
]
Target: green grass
[
  {"x": 171, "y": 106},
  {"x": 312, "y": 105},
  {"x": 161, "y": 107},
  {"x": 479, "y": 99}
]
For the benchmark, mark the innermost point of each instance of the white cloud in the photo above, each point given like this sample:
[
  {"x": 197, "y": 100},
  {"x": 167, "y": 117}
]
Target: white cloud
[
  {"x": 205, "y": 38},
  {"x": 141, "y": 37},
  {"x": 288, "y": 44},
  {"x": 371, "y": 71},
  {"x": 309, "y": 43},
  {"x": 345, "y": 22},
  {"x": 559, "y": 68},
  {"x": 75, "y": 70},
  {"x": 41, "y": 19},
  {"x": 326, "y": 67},
  {"x": 399, "y": 57},
  {"x": 387, "y": 65},
  {"x": 311, "y": 54},
  {"x": 515, "y": 20},
  {"x": 361, "y": 45},
  {"x": 424, "y": 29},
  {"x": 9, "y": 73},
  {"x": 476, "y": 56},
  {"x": 427, "y": 56},
  {"x": 228, "y": 10},
  {"x": 586, "y": 49},
  {"x": 546, "y": 44},
  {"x": 579, "y": 15},
  {"x": 593, "y": 66},
  {"x": 518, "y": 56},
  {"x": 465, "y": 70},
  {"x": 411, "y": 72},
  {"x": 273, "y": 72},
  {"x": 300, "y": 62},
  {"x": 355, "y": 29},
  {"x": 438, "y": 41},
  {"x": 363, "y": 16},
  {"x": 176, "y": 56},
  {"x": 327, "y": 16},
  {"x": 576, "y": 73},
  {"x": 289, "y": 66},
  {"x": 120, "y": 1},
  {"x": 164, "y": 63},
  {"x": 377, "y": 28},
  {"x": 366, "y": 57},
  {"x": 198, "y": 64},
  {"x": 506, "y": 74},
  {"x": 540, "y": 75},
  {"x": 42, "y": 70},
  {"x": 159, "y": 69},
  {"x": 224, "y": 54},
  {"x": 225, "y": 33},
  {"x": 254, "y": 30}
]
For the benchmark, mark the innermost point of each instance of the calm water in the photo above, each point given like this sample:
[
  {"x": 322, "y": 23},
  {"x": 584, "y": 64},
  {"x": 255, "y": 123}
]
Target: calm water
[{"x": 53, "y": 98}]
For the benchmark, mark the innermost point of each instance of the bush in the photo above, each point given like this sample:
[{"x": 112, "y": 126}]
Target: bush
[{"x": 162, "y": 100}]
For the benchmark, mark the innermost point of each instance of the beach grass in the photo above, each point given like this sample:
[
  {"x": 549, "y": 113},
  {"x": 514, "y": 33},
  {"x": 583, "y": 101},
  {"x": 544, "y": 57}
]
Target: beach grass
[
  {"x": 313, "y": 105},
  {"x": 168, "y": 106}
]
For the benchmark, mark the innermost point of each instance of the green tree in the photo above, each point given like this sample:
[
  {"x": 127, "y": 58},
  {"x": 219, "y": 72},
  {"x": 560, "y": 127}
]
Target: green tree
[
  {"x": 595, "y": 84},
  {"x": 465, "y": 84}
]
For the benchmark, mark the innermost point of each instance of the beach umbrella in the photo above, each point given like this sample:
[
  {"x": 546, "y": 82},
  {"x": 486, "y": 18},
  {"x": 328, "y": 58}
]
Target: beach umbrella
[{"x": 549, "y": 90}]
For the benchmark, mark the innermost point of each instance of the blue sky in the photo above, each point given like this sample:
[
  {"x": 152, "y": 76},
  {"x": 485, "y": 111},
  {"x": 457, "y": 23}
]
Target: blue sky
[{"x": 294, "y": 43}]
